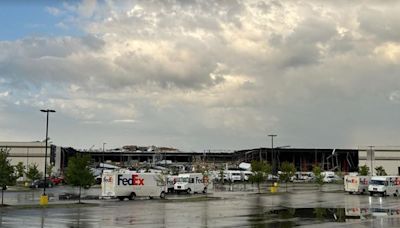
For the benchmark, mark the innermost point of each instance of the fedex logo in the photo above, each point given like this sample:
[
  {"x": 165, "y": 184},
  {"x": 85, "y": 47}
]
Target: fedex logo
[
  {"x": 108, "y": 179},
  {"x": 135, "y": 180},
  {"x": 351, "y": 181}
]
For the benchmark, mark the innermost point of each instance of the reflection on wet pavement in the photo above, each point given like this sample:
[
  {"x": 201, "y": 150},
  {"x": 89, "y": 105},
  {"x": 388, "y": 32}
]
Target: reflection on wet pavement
[{"x": 219, "y": 209}]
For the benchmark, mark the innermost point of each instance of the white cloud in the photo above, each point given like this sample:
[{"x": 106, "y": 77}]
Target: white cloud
[{"x": 220, "y": 66}]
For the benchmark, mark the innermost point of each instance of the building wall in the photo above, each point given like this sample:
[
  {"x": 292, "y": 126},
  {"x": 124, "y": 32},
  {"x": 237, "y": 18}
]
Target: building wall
[
  {"x": 388, "y": 159},
  {"x": 28, "y": 153}
]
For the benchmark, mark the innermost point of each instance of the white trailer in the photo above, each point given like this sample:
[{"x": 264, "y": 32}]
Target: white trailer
[
  {"x": 191, "y": 183},
  {"x": 356, "y": 184},
  {"x": 123, "y": 184},
  {"x": 384, "y": 185}
]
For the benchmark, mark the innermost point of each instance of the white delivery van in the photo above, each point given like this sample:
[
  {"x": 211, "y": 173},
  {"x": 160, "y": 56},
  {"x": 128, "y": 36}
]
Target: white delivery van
[
  {"x": 330, "y": 177},
  {"x": 191, "y": 183},
  {"x": 356, "y": 184},
  {"x": 129, "y": 184},
  {"x": 384, "y": 185},
  {"x": 234, "y": 175},
  {"x": 171, "y": 180},
  {"x": 246, "y": 175}
]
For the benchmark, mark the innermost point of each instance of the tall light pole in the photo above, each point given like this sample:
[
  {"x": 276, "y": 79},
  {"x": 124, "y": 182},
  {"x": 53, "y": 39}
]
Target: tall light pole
[
  {"x": 47, "y": 111},
  {"x": 273, "y": 159},
  {"x": 103, "y": 155},
  {"x": 371, "y": 151}
]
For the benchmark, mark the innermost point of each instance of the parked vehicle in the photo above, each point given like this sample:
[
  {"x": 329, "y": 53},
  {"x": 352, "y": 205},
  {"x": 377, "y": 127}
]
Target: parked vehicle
[
  {"x": 57, "y": 180},
  {"x": 233, "y": 175},
  {"x": 330, "y": 177},
  {"x": 191, "y": 183},
  {"x": 356, "y": 184},
  {"x": 302, "y": 177},
  {"x": 40, "y": 183},
  {"x": 130, "y": 184},
  {"x": 384, "y": 185},
  {"x": 246, "y": 175},
  {"x": 171, "y": 180}
]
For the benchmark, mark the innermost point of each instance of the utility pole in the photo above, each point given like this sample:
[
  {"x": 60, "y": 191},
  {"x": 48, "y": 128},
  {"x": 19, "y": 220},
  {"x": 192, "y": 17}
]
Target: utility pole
[
  {"x": 103, "y": 155},
  {"x": 273, "y": 158},
  {"x": 371, "y": 151}
]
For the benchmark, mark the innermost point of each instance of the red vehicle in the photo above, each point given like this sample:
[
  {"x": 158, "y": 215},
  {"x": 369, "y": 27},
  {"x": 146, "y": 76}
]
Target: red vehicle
[{"x": 57, "y": 180}]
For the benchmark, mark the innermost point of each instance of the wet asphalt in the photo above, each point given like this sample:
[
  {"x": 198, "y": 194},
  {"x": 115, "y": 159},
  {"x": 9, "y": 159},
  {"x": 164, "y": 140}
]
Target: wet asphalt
[{"x": 236, "y": 205}]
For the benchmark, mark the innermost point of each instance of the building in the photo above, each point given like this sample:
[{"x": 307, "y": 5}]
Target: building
[
  {"x": 345, "y": 160},
  {"x": 30, "y": 153},
  {"x": 387, "y": 157}
]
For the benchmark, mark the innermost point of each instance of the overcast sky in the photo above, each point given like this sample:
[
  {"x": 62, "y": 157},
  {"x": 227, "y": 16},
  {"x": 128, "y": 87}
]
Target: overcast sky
[{"x": 199, "y": 75}]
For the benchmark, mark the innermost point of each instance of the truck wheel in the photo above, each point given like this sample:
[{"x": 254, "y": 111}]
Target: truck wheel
[
  {"x": 188, "y": 191},
  {"x": 351, "y": 193},
  {"x": 205, "y": 190},
  {"x": 371, "y": 193},
  {"x": 162, "y": 195},
  {"x": 121, "y": 198},
  {"x": 132, "y": 196},
  {"x": 383, "y": 194}
]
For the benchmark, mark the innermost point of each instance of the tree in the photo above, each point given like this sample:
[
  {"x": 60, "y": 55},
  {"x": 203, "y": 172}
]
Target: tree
[
  {"x": 380, "y": 171},
  {"x": 33, "y": 172},
  {"x": 78, "y": 172},
  {"x": 261, "y": 170},
  {"x": 49, "y": 170},
  {"x": 6, "y": 172},
  {"x": 363, "y": 170},
  {"x": 319, "y": 178},
  {"x": 288, "y": 170},
  {"x": 221, "y": 174},
  {"x": 19, "y": 170}
]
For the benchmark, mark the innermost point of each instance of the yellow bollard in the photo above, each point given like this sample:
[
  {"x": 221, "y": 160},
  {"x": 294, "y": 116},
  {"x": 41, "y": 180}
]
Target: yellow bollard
[
  {"x": 273, "y": 189},
  {"x": 44, "y": 200}
]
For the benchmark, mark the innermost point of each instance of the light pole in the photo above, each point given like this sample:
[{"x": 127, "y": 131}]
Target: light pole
[
  {"x": 103, "y": 155},
  {"x": 47, "y": 111},
  {"x": 272, "y": 153},
  {"x": 371, "y": 151}
]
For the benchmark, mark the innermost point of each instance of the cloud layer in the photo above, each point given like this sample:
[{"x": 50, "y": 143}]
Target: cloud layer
[{"x": 210, "y": 74}]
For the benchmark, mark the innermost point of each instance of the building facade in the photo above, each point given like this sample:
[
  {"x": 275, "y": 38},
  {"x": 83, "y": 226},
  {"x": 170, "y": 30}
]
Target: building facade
[
  {"x": 30, "y": 153},
  {"x": 388, "y": 158}
]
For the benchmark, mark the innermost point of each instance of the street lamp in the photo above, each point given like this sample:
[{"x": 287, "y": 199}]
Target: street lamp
[
  {"x": 47, "y": 111},
  {"x": 272, "y": 153},
  {"x": 371, "y": 151},
  {"x": 103, "y": 155}
]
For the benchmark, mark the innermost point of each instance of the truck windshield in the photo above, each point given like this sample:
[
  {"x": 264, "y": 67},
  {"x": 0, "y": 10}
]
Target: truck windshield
[
  {"x": 378, "y": 182},
  {"x": 183, "y": 179}
]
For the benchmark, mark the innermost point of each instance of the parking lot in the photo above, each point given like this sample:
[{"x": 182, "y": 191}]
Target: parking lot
[{"x": 226, "y": 206}]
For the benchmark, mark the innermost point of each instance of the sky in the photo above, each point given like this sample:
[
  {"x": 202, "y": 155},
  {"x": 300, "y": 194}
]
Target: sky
[{"x": 201, "y": 75}]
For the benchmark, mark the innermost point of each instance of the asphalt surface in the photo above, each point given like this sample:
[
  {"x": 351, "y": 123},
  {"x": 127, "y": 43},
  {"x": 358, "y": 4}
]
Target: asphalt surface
[{"x": 226, "y": 206}]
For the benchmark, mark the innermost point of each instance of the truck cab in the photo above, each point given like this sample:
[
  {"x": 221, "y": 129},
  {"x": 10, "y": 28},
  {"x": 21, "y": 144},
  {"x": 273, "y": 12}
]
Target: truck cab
[{"x": 384, "y": 185}]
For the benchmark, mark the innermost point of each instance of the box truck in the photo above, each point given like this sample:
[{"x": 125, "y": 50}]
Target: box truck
[
  {"x": 191, "y": 183},
  {"x": 356, "y": 184},
  {"x": 384, "y": 185},
  {"x": 123, "y": 184}
]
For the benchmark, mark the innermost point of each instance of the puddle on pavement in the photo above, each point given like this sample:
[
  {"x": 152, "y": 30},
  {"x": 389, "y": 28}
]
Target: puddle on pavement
[{"x": 291, "y": 217}]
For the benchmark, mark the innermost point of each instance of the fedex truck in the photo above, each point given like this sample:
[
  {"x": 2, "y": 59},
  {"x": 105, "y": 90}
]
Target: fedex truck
[
  {"x": 384, "y": 185},
  {"x": 128, "y": 184},
  {"x": 191, "y": 183},
  {"x": 356, "y": 184}
]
